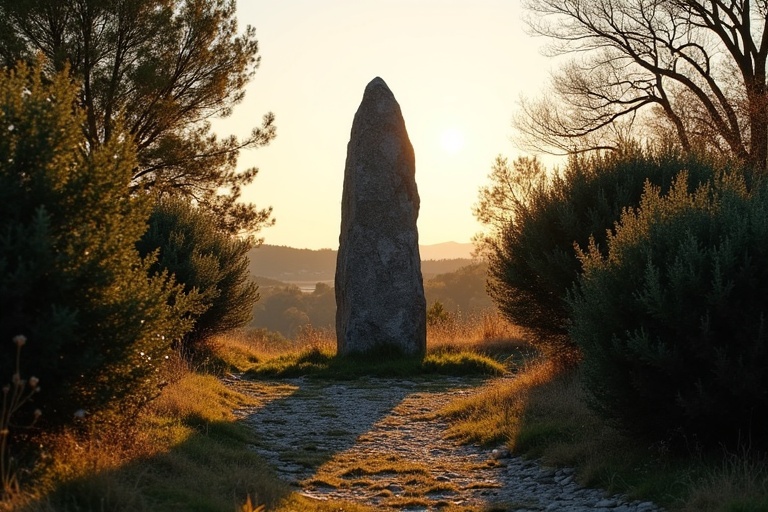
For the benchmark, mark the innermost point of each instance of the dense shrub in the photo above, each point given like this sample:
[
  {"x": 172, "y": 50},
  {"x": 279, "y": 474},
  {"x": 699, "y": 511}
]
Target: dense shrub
[
  {"x": 672, "y": 321},
  {"x": 206, "y": 260},
  {"x": 71, "y": 279},
  {"x": 532, "y": 262}
]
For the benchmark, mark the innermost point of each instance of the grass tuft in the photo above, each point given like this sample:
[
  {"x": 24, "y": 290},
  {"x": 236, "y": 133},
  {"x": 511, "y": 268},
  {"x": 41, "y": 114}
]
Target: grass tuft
[{"x": 323, "y": 363}]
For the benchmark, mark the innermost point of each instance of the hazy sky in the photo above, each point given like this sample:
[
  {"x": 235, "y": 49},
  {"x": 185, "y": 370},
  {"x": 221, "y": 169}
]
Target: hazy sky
[{"x": 457, "y": 68}]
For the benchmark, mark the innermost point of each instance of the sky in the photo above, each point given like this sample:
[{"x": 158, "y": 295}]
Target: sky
[{"x": 458, "y": 69}]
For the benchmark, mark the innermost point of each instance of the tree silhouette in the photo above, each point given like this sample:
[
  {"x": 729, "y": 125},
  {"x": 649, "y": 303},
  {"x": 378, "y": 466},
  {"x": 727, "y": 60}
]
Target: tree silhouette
[{"x": 694, "y": 71}]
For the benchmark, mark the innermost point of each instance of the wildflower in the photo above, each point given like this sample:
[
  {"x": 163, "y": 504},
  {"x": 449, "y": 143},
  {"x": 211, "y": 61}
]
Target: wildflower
[
  {"x": 38, "y": 413},
  {"x": 20, "y": 340},
  {"x": 33, "y": 381},
  {"x": 80, "y": 414},
  {"x": 11, "y": 127}
]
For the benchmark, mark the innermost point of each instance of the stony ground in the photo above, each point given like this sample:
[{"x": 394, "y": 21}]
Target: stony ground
[{"x": 378, "y": 442}]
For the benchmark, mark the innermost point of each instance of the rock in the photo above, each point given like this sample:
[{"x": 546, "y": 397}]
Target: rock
[{"x": 379, "y": 290}]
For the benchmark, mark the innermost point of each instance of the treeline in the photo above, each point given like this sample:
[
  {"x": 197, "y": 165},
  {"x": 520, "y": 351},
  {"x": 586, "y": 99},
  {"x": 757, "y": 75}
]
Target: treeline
[
  {"x": 285, "y": 309},
  {"x": 308, "y": 265}
]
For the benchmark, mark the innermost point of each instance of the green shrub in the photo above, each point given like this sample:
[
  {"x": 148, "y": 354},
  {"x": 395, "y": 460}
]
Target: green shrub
[
  {"x": 532, "y": 262},
  {"x": 672, "y": 321},
  {"x": 204, "y": 259},
  {"x": 71, "y": 279}
]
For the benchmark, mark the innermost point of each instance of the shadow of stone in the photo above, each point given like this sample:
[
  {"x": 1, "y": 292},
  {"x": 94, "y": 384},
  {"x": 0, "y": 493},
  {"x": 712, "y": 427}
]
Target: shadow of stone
[
  {"x": 207, "y": 471},
  {"x": 300, "y": 432}
]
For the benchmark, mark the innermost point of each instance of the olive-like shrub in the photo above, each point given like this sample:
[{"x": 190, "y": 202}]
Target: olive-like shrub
[
  {"x": 532, "y": 261},
  {"x": 672, "y": 320}
]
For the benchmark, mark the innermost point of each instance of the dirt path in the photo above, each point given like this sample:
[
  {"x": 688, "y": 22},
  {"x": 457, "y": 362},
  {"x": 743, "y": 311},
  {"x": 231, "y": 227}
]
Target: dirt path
[{"x": 378, "y": 442}]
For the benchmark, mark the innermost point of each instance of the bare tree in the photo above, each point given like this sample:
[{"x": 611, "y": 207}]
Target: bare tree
[
  {"x": 695, "y": 70},
  {"x": 511, "y": 187}
]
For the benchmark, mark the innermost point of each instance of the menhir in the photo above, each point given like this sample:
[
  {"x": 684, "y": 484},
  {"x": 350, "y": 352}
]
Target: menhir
[{"x": 379, "y": 291}]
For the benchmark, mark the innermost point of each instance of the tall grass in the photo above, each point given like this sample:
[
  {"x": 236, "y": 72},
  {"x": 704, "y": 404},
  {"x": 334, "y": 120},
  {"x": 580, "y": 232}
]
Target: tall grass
[
  {"x": 481, "y": 344},
  {"x": 542, "y": 413},
  {"x": 187, "y": 451}
]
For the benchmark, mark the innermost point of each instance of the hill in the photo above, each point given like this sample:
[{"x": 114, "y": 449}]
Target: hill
[{"x": 310, "y": 265}]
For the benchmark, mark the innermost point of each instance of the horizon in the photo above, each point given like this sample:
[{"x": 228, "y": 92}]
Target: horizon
[
  {"x": 456, "y": 68},
  {"x": 427, "y": 252},
  {"x": 266, "y": 242}
]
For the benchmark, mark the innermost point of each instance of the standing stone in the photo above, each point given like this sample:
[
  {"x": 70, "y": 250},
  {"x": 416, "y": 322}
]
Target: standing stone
[{"x": 379, "y": 290}]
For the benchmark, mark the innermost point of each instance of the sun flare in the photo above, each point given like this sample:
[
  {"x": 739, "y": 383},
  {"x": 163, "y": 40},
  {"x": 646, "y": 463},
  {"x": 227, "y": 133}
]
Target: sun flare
[{"x": 452, "y": 140}]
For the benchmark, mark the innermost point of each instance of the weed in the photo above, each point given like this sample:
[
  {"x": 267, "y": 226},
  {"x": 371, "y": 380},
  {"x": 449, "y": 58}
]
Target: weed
[{"x": 15, "y": 395}]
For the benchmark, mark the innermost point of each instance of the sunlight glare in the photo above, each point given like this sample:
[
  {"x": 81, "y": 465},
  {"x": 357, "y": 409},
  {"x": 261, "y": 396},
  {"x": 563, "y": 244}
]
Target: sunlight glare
[{"x": 452, "y": 140}]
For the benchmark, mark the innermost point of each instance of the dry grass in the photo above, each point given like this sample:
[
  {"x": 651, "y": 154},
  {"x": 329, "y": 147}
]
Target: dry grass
[
  {"x": 495, "y": 414},
  {"x": 242, "y": 350},
  {"x": 190, "y": 436},
  {"x": 185, "y": 453},
  {"x": 542, "y": 413},
  {"x": 739, "y": 482},
  {"x": 483, "y": 332}
]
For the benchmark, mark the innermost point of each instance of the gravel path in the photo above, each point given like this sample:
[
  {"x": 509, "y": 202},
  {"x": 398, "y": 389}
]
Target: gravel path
[{"x": 378, "y": 442}]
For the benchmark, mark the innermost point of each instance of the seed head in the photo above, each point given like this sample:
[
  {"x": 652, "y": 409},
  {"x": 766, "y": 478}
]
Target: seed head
[
  {"x": 33, "y": 381},
  {"x": 20, "y": 340}
]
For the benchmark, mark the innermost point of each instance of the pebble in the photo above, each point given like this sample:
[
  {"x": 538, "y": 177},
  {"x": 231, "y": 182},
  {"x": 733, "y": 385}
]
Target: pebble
[{"x": 304, "y": 423}]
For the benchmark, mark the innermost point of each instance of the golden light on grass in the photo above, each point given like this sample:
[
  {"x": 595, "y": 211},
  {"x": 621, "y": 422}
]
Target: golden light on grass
[
  {"x": 538, "y": 410},
  {"x": 485, "y": 333},
  {"x": 495, "y": 414}
]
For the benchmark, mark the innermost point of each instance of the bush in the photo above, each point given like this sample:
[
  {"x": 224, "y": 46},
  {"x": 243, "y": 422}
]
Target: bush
[
  {"x": 71, "y": 279},
  {"x": 672, "y": 321},
  {"x": 206, "y": 260},
  {"x": 532, "y": 262}
]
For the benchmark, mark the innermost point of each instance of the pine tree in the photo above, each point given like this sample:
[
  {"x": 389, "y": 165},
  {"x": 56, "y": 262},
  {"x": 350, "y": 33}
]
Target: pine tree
[
  {"x": 161, "y": 69},
  {"x": 71, "y": 280}
]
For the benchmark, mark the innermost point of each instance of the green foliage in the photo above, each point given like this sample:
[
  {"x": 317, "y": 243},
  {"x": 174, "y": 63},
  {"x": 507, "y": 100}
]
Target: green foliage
[
  {"x": 436, "y": 313},
  {"x": 671, "y": 321},
  {"x": 207, "y": 261},
  {"x": 382, "y": 362},
  {"x": 285, "y": 309},
  {"x": 532, "y": 263},
  {"x": 70, "y": 276},
  {"x": 161, "y": 69},
  {"x": 462, "y": 290}
]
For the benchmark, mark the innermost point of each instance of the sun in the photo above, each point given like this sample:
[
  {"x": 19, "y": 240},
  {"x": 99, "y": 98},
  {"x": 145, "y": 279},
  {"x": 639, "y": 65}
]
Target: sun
[{"x": 452, "y": 140}]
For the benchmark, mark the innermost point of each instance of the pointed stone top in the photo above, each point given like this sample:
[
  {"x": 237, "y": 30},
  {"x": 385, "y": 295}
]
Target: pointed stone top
[{"x": 377, "y": 83}]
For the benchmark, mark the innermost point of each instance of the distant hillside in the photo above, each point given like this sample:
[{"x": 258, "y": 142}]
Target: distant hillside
[
  {"x": 308, "y": 265},
  {"x": 289, "y": 307}
]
